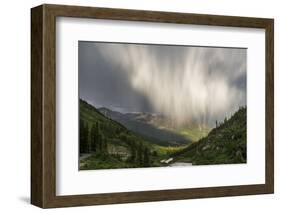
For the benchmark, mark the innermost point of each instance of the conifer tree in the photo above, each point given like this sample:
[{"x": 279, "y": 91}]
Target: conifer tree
[
  {"x": 82, "y": 146},
  {"x": 146, "y": 160},
  {"x": 133, "y": 156},
  {"x": 101, "y": 143},
  {"x": 98, "y": 138},
  {"x": 140, "y": 154},
  {"x": 86, "y": 135},
  {"x": 105, "y": 146},
  {"x": 93, "y": 139}
]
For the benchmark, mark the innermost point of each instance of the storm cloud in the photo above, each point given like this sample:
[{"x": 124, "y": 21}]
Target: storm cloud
[{"x": 190, "y": 85}]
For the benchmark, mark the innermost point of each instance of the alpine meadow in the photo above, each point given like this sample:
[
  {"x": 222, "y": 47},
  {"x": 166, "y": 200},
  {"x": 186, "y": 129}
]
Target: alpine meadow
[{"x": 152, "y": 105}]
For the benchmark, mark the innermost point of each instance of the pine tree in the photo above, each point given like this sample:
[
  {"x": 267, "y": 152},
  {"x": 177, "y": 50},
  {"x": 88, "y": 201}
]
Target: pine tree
[
  {"x": 82, "y": 146},
  {"x": 140, "y": 154},
  {"x": 225, "y": 120},
  {"x": 146, "y": 160},
  {"x": 93, "y": 139},
  {"x": 133, "y": 153},
  {"x": 101, "y": 143},
  {"x": 105, "y": 146},
  {"x": 98, "y": 138},
  {"x": 86, "y": 135}
]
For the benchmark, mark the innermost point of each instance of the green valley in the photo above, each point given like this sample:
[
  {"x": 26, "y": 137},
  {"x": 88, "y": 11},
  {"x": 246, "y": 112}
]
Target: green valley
[{"x": 107, "y": 143}]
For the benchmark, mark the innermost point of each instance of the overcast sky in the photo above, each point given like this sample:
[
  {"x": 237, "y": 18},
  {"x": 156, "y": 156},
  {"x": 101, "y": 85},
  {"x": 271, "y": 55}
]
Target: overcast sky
[{"x": 187, "y": 84}]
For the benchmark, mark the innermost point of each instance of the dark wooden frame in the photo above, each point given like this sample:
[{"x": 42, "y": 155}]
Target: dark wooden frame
[{"x": 43, "y": 105}]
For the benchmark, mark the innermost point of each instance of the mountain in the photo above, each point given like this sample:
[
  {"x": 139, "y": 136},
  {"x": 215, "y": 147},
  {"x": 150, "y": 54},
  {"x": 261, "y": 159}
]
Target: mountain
[
  {"x": 151, "y": 126},
  {"x": 225, "y": 144},
  {"x": 106, "y": 144},
  {"x": 109, "y": 128}
]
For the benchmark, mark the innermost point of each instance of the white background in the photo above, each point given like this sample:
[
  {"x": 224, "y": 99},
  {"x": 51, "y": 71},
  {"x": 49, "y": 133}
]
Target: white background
[
  {"x": 71, "y": 181},
  {"x": 15, "y": 106}
]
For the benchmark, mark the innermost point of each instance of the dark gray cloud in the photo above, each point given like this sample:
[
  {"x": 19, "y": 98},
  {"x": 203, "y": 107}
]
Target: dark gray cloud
[
  {"x": 188, "y": 84},
  {"x": 106, "y": 84}
]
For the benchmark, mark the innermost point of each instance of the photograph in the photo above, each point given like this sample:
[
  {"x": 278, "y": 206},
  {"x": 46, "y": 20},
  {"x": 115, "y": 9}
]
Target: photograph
[
  {"x": 161, "y": 105},
  {"x": 139, "y": 105}
]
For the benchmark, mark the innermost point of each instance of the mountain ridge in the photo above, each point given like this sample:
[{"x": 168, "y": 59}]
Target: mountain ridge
[
  {"x": 144, "y": 124},
  {"x": 225, "y": 144}
]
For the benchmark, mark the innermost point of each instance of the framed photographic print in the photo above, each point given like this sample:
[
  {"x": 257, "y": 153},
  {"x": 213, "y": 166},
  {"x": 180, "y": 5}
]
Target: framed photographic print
[{"x": 136, "y": 106}]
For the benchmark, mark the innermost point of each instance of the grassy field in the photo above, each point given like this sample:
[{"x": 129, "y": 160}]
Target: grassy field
[{"x": 194, "y": 134}]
